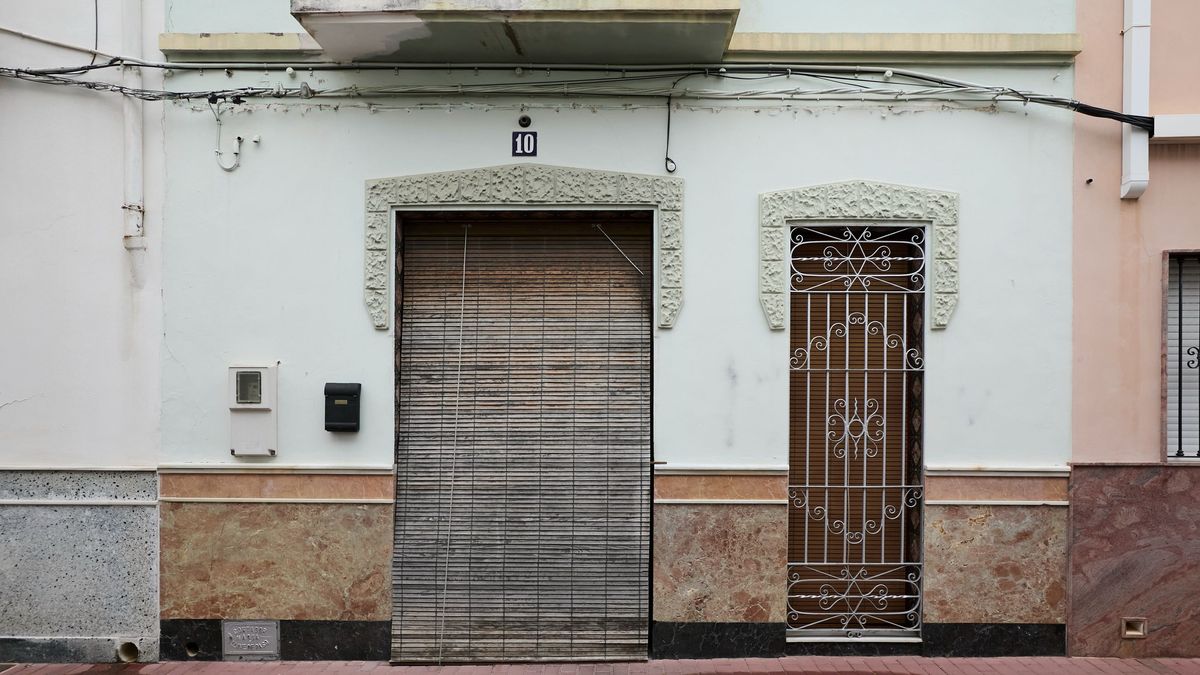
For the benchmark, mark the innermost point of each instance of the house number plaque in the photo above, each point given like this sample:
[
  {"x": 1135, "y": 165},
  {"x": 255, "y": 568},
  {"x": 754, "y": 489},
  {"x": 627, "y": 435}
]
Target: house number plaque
[{"x": 524, "y": 144}]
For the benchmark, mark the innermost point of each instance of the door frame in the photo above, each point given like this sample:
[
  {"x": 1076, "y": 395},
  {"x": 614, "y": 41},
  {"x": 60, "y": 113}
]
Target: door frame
[{"x": 863, "y": 202}]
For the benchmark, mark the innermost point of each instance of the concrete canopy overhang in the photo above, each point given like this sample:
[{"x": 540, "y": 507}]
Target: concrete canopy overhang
[{"x": 521, "y": 31}]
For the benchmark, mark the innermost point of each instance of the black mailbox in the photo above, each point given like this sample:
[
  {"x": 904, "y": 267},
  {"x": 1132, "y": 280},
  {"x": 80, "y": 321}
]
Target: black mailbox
[{"x": 341, "y": 406}]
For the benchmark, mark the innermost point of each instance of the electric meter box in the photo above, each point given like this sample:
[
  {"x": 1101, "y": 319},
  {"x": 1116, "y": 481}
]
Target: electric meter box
[{"x": 253, "y": 407}]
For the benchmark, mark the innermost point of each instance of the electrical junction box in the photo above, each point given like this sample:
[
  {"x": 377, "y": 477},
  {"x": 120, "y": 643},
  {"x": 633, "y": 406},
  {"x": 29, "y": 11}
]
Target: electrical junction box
[
  {"x": 253, "y": 407},
  {"x": 341, "y": 406}
]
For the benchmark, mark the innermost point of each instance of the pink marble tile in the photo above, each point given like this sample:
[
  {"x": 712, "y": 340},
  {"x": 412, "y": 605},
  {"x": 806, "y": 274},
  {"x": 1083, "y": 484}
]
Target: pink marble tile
[
  {"x": 995, "y": 487},
  {"x": 277, "y": 485},
  {"x": 720, "y": 487},
  {"x": 1135, "y": 552},
  {"x": 995, "y": 564},
  {"x": 720, "y": 562},
  {"x": 276, "y": 561}
]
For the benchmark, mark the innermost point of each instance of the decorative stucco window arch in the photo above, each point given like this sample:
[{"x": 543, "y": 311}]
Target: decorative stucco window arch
[
  {"x": 861, "y": 201},
  {"x": 524, "y": 186}
]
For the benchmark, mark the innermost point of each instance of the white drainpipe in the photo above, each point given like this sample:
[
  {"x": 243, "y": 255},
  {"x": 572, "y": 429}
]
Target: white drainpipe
[
  {"x": 132, "y": 169},
  {"x": 1135, "y": 143}
]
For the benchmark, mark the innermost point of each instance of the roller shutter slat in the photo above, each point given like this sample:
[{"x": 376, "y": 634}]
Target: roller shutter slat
[{"x": 547, "y": 556}]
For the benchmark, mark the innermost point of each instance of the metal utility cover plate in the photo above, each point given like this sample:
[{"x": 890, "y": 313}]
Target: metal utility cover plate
[{"x": 250, "y": 640}]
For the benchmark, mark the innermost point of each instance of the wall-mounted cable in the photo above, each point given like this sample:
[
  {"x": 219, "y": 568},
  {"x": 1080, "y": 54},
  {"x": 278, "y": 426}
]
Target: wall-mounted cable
[
  {"x": 237, "y": 148},
  {"x": 859, "y": 83},
  {"x": 668, "y": 163},
  {"x": 95, "y": 30}
]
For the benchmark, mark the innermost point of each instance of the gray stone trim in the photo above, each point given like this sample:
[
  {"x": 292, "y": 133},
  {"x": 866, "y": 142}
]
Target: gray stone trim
[
  {"x": 89, "y": 486},
  {"x": 524, "y": 185},
  {"x": 856, "y": 200},
  {"x": 75, "y": 649},
  {"x": 78, "y": 571}
]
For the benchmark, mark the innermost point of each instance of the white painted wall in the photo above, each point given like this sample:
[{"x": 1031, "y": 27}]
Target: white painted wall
[
  {"x": 230, "y": 16},
  {"x": 81, "y": 315},
  {"x": 265, "y": 263},
  {"x": 909, "y": 16},
  {"x": 769, "y": 16}
]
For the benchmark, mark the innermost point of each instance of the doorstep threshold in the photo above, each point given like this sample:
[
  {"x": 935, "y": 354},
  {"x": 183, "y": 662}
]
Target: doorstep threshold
[{"x": 818, "y": 638}]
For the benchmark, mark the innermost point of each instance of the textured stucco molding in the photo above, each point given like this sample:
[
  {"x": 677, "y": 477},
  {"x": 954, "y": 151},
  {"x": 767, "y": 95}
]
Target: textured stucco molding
[
  {"x": 857, "y": 201},
  {"x": 524, "y": 185}
]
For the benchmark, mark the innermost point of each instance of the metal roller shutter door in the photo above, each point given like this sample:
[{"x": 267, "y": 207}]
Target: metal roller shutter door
[{"x": 523, "y": 439}]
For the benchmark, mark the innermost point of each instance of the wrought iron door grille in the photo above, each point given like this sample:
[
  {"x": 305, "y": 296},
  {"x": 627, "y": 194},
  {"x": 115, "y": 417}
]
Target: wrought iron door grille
[
  {"x": 855, "y": 491},
  {"x": 1183, "y": 358}
]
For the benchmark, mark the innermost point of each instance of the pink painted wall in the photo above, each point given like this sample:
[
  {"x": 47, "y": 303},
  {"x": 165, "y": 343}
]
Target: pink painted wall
[
  {"x": 1174, "y": 56},
  {"x": 1118, "y": 245}
]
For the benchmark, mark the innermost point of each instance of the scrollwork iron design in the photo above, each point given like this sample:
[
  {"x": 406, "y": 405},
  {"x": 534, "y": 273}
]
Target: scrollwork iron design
[
  {"x": 854, "y": 600},
  {"x": 799, "y": 497},
  {"x": 912, "y": 359},
  {"x": 854, "y": 430},
  {"x": 865, "y": 260}
]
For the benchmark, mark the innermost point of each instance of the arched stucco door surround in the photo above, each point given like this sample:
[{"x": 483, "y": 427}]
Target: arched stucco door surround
[
  {"x": 863, "y": 202},
  {"x": 524, "y": 186}
]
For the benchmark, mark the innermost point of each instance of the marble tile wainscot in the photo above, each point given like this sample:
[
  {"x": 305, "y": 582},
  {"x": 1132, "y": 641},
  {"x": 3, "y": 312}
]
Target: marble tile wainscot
[
  {"x": 995, "y": 564},
  {"x": 995, "y": 567},
  {"x": 80, "y": 579},
  {"x": 309, "y": 549},
  {"x": 995, "y": 545},
  {"x": 720, "y": 548},
  {"x": 1135, "y": 552}
]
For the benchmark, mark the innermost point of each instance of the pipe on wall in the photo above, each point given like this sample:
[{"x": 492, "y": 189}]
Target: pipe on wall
[
  {"x": 133, "y": 121},
  {"x": 1135, "y": 95}
]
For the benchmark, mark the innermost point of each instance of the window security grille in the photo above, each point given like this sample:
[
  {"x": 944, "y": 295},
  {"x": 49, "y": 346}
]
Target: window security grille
[{"x": 1183, "y": 357}]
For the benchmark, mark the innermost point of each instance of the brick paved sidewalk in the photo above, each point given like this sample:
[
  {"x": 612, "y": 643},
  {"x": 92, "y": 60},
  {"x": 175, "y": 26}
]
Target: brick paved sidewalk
[{"x": 899, "y": 665}]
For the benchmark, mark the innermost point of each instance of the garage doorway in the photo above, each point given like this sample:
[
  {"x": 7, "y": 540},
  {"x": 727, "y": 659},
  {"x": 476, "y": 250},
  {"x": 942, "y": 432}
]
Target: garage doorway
[{"x": 523, "y": 436}]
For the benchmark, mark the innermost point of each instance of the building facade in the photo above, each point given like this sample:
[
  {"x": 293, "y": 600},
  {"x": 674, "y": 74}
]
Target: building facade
[
  {"x": 419, "y": 331},
  {"x": 79, "y": 418},
  {"x": 1132, "y": 470}
]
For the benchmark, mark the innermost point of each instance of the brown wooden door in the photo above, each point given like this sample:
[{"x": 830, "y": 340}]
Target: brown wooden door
[{"x": 523, "y": 438}]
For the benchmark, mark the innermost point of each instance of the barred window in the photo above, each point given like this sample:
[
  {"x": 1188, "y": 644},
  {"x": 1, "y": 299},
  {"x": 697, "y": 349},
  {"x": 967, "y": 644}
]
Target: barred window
[{"x": 1183, "y": 356}]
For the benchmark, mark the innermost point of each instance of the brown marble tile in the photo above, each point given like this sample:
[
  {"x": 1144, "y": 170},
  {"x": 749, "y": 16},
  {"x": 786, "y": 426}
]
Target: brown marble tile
[
  {"x": 720, "y": 562},
  {"x": 1135, "y": 552},
  {"x": 275, "y": 561},
  {"x": 995, "y": 564},
  {"x": 996, "y": 487},
  {"x": 720, "y": 487},
  {"x": 279, "y": 486}
]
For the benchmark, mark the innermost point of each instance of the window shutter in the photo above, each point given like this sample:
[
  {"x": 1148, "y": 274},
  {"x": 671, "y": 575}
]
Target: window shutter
[
  {"x": 1183, "y": 357},
  {"x": 523, "y": 442}
]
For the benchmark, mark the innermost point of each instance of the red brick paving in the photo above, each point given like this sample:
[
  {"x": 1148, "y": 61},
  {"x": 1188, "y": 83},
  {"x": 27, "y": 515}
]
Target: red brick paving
[{"x": 889, "y": 665}]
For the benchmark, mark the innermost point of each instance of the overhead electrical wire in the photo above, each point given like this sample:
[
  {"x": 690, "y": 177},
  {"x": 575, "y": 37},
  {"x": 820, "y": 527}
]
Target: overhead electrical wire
[{"x": 846, "y": 82}]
